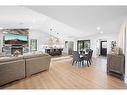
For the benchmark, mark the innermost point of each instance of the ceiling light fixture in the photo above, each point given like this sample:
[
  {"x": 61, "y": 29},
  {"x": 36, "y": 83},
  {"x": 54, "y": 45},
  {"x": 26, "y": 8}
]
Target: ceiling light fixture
[
  {"x": 101, "y": 32},
  {"x": 98, "y": 28},
  {"x": 34, "y": 20}
]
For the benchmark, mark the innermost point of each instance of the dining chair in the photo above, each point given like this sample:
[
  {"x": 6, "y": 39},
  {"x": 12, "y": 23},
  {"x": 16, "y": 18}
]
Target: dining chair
[
  {"x": 76, "y": 57},
  {"x": 88, "y": 57},
  {"x": 91, "y": 53}
]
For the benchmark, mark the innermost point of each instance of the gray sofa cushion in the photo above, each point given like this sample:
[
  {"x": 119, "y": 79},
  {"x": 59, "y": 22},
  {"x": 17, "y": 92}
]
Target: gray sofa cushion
[
  {"x": 34, "y": 55},
  {"x": 7, "y": 59},
  {"x": 37, "y": 64},
  {"x": 13, "y": 68},
  {"x": 11, "y": 71}
]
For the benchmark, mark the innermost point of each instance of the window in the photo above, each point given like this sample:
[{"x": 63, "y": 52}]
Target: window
[
  {"x": 33, "y": 45},
  {"x": 83, "y": 44}
]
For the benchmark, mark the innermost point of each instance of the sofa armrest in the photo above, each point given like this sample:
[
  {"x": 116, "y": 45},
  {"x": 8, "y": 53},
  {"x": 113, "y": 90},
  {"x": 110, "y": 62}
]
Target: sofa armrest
[
  {"x": 11, "y": 71},
  {"x": 37, "y": 64}
]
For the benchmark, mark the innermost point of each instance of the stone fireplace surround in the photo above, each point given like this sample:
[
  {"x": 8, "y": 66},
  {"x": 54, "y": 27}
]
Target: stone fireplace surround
[
  {"x": 9, "y": 48},
  {"x": 17, "y": 47}
]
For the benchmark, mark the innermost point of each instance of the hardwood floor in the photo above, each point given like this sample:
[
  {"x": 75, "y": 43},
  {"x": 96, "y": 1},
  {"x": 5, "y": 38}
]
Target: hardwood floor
[{"x": 62, "y": 75}]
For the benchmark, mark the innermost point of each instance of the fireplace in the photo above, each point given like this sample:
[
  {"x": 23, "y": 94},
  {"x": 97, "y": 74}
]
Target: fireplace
[{"x": 16, "y": 47}]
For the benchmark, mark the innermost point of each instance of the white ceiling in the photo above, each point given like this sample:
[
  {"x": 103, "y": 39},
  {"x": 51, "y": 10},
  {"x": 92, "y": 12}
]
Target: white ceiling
[
  {"x": 86, "y": 18},
  {"x": 69, "y": 21},
  {"x": 15, "y": 16},
  {"x": 23, "y": 17},
  {"x": 80, "y": 16}
]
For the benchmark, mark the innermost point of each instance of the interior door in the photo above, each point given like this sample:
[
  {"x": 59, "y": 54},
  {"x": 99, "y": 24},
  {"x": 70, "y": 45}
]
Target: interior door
[{"x": 103, "y": 48}]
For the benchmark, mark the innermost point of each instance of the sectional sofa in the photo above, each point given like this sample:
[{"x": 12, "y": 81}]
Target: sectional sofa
[
  {"x": 15, "y": 68},
  {"x": 36, "y": 63}
]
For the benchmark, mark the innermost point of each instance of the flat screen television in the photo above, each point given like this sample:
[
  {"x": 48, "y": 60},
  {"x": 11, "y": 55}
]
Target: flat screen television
[{"x": 15, "y": 39}]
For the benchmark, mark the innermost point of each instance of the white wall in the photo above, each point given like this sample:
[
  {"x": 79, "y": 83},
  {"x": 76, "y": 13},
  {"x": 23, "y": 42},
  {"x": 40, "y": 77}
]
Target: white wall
[
  {"x": 41, "y": 37},
  {"x": 125, "y": 42},
  {"x": 75, "y": 44},
  {"x": 125, "y": 79},
  {"x": 122, "y": 43},
  {"x": 95, "y": 38},
  {"x": 1, "y": 41}
]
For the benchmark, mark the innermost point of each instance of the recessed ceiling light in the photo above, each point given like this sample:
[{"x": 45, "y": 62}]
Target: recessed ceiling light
[
  {"x": 1, "y": 28},
  {"x": 101, "y": 32},
  {"x": 98, "y": 28},
  {"x": 34, "y": 20}
]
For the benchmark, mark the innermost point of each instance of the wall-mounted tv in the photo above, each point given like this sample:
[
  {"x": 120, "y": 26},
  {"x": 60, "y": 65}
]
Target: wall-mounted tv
[{"x": 15, "y": 39}]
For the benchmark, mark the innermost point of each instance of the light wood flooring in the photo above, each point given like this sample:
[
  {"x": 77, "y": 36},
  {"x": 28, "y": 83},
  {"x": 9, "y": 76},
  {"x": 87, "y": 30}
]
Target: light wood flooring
[{"x": 62, "y": 75}]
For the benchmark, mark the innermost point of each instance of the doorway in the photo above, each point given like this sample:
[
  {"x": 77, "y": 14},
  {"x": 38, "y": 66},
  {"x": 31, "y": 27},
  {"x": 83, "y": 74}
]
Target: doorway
[
  {"x": 103, "y": 48},
  {"x": 69, "y": 47}
]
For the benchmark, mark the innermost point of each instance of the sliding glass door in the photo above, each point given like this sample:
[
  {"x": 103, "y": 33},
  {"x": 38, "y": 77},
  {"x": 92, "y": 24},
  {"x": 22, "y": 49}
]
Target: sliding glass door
[{"x": 83, "y": 44}]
